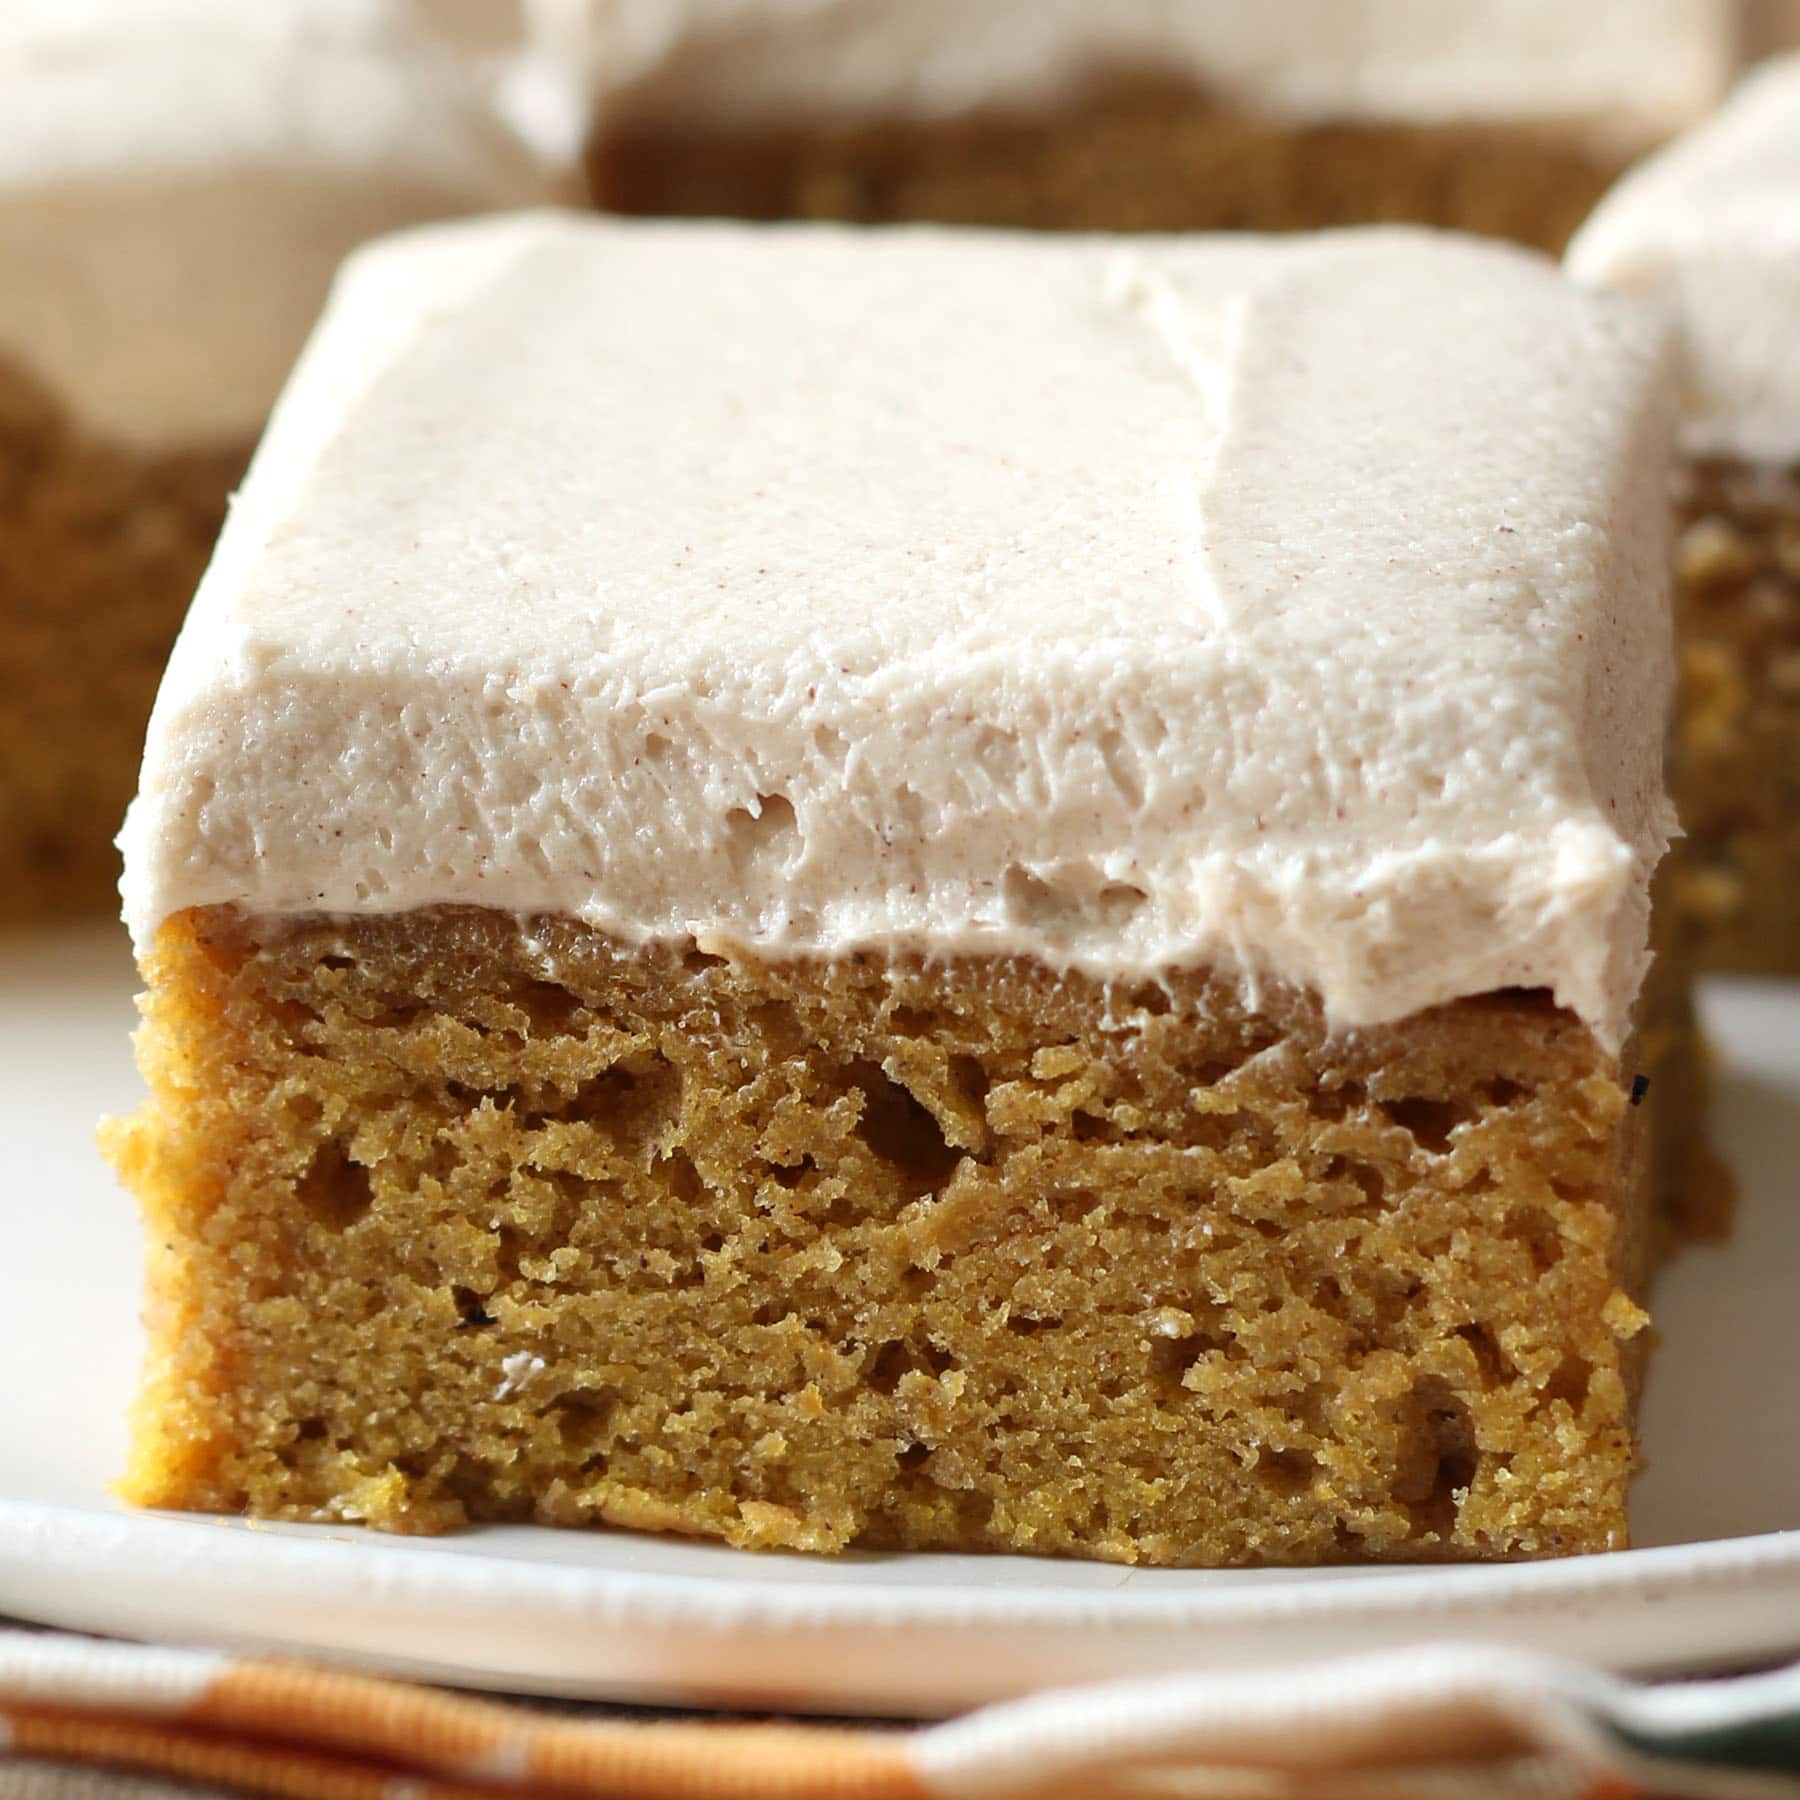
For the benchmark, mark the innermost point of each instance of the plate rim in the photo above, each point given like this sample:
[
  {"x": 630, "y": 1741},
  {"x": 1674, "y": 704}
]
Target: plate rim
[{"x": 236, "y": 1551}]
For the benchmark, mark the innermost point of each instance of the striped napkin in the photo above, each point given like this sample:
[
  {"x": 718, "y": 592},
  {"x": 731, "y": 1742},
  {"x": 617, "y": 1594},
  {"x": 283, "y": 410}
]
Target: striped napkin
[{"x": 1439, "y": 1720}]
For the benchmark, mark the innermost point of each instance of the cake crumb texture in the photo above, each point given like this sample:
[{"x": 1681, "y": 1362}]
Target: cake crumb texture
[
  {"x": 1150, "y": 162},
  {"x": 453, "y": 1218},
  {"x": 100, "y": 551},
  {"x": 1737, "y": 767}
]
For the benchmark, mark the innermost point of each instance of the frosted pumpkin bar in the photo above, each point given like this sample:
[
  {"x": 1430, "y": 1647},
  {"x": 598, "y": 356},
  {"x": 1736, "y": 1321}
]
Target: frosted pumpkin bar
[
  {"x": 920, "y": 890},
  {"x": 1711, "y": 228},
  {"x": 1140, "y": 114},
  {"x": 178, "y": 182}
]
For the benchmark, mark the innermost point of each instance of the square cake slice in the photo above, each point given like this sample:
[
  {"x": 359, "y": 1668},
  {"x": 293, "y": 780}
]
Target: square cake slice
[
  {"x": 1711, "y": 228},
  {"x": 1138, "y": 115},
  {"x": 920, "y": 889}
]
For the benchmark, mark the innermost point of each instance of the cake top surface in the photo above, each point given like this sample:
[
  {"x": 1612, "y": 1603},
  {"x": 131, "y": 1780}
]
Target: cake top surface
[
  {"x": 179, "y": 179},
  {"x": 1298, "y": 603},
  {"x": 1630, "y": 70},
  {"x": 1711, "y": 227}
]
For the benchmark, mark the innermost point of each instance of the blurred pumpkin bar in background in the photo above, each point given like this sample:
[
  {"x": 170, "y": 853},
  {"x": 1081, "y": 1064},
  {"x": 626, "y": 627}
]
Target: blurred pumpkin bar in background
[
  {"x": 1710, "y": 228},
  {"x": 1509, "y": 120},
  {"x": 178, "y": 182}
]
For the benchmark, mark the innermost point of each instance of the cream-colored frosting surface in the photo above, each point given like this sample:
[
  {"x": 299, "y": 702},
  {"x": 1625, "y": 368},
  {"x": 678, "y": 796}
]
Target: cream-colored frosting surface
[
  {"x": 1711, "y": 227},
  {"x": 1630, "y": 70},
  {"x": 180, "y": 178},
  {"x": 1294, "y": 603}
]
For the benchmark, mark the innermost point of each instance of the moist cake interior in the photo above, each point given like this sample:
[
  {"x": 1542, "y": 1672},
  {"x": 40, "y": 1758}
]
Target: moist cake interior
[{"x": 456, "y": 1218}]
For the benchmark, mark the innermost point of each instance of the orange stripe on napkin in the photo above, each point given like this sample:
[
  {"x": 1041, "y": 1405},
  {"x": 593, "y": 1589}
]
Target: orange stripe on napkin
[
  {"x": 479, "y": 1740},
  {"x": 99, "y": 1741},
  {"x": 312, "y": 1734}
]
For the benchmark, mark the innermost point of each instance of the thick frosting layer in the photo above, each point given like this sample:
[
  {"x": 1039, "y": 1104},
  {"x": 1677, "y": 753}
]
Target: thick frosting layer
[
  {"x": 1630, "y": 70},
  {"x": 180, "y": 178},
  {"x": 1293, "y": 603},
  {"x": 1711, "y": 227}
]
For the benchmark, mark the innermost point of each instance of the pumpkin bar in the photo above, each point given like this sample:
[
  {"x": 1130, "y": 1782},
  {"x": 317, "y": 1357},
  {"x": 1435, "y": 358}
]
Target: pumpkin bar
[
  {"x": 1711, "y": 230},
  {"x": 1140, "y": 114},
  {"x": 922, "y": 890}
]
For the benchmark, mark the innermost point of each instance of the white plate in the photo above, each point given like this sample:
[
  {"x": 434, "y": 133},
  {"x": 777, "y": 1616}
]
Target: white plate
[{"x": 1717, "y": 1580}]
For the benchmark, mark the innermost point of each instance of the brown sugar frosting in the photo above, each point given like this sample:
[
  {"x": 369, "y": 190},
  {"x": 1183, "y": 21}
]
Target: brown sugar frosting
[{"x": 1296, "y": 606}]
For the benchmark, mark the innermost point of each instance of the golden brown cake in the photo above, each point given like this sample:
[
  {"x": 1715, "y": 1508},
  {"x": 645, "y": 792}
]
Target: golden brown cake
[
  {"x": 1289, "y": 115},
  {"x": 173, "y": 200},
  {"x": 965, "y": 940},
  {"x": 1708, "y": 228},
  {"x": 519, "y": 1223}
]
